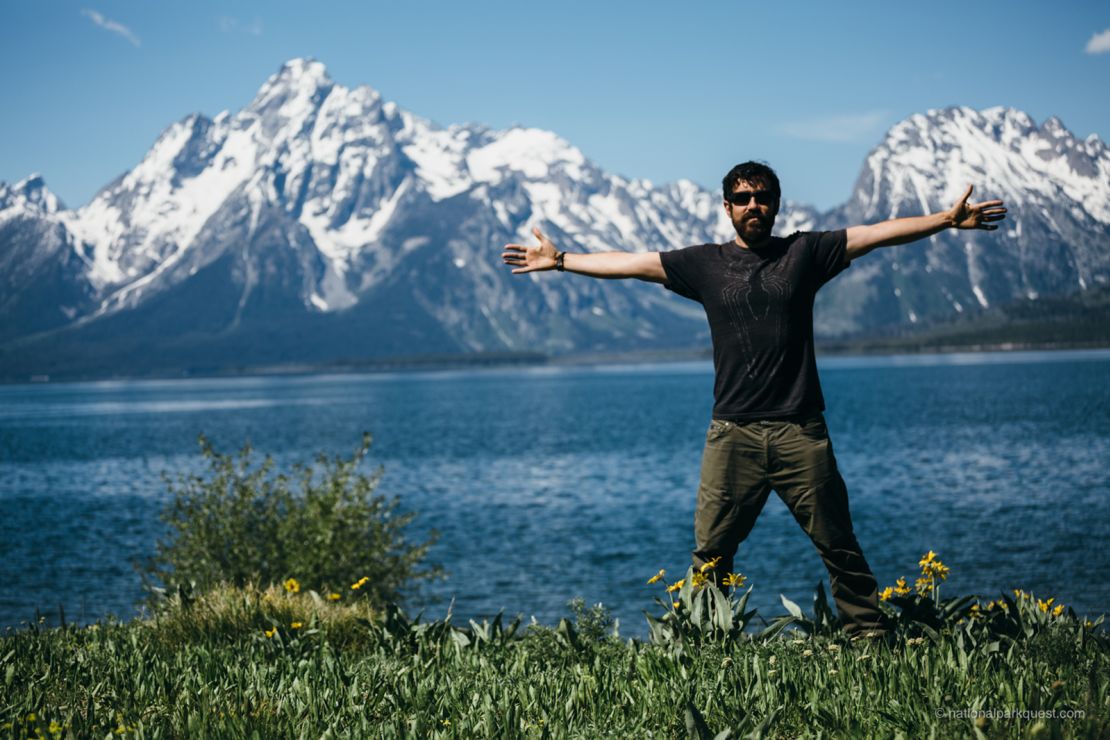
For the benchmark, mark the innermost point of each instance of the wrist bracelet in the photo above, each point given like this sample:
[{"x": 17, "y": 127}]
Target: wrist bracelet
[{"x": 559, "y": 261}]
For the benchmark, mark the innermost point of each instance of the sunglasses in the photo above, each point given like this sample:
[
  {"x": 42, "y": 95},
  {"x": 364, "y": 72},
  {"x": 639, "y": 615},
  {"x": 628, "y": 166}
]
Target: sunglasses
[{"x": 743, "y": 197}]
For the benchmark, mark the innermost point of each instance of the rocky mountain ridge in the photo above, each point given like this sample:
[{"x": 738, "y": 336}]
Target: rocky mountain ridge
[{"x": 322, "y": 222}]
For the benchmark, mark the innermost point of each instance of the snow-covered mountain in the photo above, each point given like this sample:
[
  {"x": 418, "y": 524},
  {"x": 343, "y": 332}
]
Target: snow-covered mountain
[
  {"x": 1055, "y": 240},
  {"x": 323, "y": 223}
]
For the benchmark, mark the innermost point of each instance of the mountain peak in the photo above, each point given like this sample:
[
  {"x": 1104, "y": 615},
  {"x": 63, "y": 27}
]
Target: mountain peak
[
  {"x": 30, "y": 192},
  {"x": 300, "y": 82},
  {"x": 304, "y": 67}
]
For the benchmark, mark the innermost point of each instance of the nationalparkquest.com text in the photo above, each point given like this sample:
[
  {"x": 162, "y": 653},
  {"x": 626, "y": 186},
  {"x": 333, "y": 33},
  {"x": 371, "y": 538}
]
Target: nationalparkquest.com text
[{"x": 1024, "y": 714}]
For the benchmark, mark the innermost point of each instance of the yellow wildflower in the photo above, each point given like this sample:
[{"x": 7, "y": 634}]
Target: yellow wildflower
[
  {"x": 292, "y": 586},
  {"x": 886, "y": 594},
  {"x": 676, "y": 604},
  {"x": 55, "y": 728},
  {"x": 923, "y": 585},
  {"x": 710, "y": 565},
  {"x": 360, "y": 583},
  {"x": 333, "y": 596},
  {"x": 1044, "y": 605},
  {"x": 657, "y": 577},
  {"x": 735, "y": 580},
  {"x": 676, "y": 585},
  {"x": 1058, "y": 610},
  {"x": 936, "y": 570},
  {"x": 900, "y": 587},
  {"x": 927, "y": 559},
  {"x": 296, "y": 625},
  {"x": 700, "y": 579},
  {"x": 270, "y": 632}
]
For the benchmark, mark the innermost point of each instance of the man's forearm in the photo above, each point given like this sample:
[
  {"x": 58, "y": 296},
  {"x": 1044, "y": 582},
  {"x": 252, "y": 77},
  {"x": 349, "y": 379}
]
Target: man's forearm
[
  {"x": 614, "y": 265},
  {"x": 862, "y": 239}
]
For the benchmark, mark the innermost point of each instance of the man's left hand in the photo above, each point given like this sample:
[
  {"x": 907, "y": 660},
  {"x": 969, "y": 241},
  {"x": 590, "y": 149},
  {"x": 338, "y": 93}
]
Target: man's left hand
[{"x": 966, "y": 215}]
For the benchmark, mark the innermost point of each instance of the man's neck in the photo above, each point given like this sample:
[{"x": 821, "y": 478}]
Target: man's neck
[{"x": 738, "y": 241}]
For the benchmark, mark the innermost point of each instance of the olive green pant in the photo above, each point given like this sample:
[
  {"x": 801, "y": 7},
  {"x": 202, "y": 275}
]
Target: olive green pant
[{"x": 742, "y": 462}]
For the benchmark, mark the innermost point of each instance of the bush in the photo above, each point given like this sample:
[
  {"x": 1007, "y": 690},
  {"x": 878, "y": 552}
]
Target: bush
[{"x": 240, "y": 524}]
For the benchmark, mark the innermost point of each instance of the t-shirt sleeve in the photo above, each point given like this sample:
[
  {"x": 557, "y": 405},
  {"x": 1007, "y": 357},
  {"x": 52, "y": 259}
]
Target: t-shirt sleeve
[
  {"x": 828, "y": 252},
  {"x": 684, "y": 270}
]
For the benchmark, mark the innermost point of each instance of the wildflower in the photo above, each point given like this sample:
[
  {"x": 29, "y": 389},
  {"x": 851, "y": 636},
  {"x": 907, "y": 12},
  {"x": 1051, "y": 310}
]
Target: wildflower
[
  {"x": 676, "y": 585},
  {"x": 710, "y": 564},
  {"x": 55, "y": 728},
  {"x": 1019, "y": 594},
  {"x": 700, "y": 579},
  {"x": 923, "y": 585},
  {"x": 676, "y": 604},
  {"x": 657, "y": 577},
  {"x": 726, "y": 662},
  {"x": 833, "y": 671},
  {"x": 296, "y": 625},
  {"x": 292, "y": 586},
  {"x": 736, "y": 580},
  {"x": 270, "y": 632},
  {"x": 1044, "y": 605},
  {"x": 807, "y": 653},
  {"x": 1058, "y": 610},
  {"x": 928, "y": 558},
  {"x": 863, "y": 657},
  {"x": 360, "y": 583},
  {"x": 935, "y": 569},
  {"x": 445, "y": 722},
  {"x": 975, "y": 612},
  {"x": 797, "y": 642},
  {"x": 886, "y": 594},
  {"x": 1088, "y": 624},
  {"x": 31, "y": 717},
  {"x": 773, "y": 659},
  {"x": 916, "y": 641},
  {"x": 900, "y": 587},
  {"x": 333, "y": 596},
  {"x": 834, "y": 648}
]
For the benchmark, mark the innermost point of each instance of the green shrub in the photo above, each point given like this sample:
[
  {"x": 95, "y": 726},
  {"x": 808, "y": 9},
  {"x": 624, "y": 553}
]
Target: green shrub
[{"x": 321, "y": 528}]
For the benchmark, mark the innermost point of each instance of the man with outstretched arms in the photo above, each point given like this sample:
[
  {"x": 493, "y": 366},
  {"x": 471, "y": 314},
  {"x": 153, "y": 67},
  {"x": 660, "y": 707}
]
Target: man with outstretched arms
[{"x": 767, "y": 430}]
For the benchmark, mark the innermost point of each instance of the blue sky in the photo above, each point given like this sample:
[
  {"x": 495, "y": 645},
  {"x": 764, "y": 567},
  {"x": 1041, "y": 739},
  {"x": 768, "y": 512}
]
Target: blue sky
[{"x": 661, "y": 90}]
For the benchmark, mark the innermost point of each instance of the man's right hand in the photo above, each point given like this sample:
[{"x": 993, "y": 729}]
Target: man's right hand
[{"x": 531, "y": 259}]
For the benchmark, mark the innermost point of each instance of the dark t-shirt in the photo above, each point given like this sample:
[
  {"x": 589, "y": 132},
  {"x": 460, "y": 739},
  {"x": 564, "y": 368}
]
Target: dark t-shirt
[{"x": 760, "y": 309}]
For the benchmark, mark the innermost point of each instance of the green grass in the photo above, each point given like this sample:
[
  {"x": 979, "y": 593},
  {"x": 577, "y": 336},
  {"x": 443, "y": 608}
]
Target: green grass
[{"x": 205, "y": 667}]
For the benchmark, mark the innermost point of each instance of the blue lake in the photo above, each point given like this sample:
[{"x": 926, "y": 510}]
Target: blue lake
[{"x": 557, "y": 482}]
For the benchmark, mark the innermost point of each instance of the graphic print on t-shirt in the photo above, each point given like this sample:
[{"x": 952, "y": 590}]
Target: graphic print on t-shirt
[{"x": 752, "y": 292}]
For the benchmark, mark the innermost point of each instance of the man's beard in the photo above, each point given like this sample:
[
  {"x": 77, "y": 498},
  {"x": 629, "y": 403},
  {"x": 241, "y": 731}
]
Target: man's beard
[{"x": 754, "y": 228}]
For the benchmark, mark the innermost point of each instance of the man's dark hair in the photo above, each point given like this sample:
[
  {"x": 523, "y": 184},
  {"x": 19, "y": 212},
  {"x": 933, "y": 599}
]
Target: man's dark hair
[{"x": 753, "y": 172}]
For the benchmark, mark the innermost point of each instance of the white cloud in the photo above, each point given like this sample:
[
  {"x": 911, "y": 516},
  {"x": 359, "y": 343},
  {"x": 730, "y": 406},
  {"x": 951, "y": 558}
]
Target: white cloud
[
  {"x": 1099, "y": 43},
  {"x": 850, "y": 127},
  {"x": 110, "y": 25},
  {"x": 227, "y": 24}
]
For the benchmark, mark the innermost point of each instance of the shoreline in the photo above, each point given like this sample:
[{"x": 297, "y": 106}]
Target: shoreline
[{"x": 532, "y": 361}]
